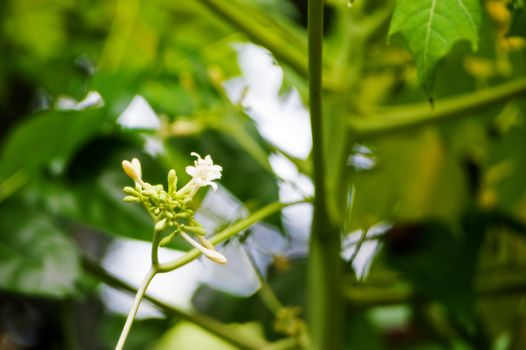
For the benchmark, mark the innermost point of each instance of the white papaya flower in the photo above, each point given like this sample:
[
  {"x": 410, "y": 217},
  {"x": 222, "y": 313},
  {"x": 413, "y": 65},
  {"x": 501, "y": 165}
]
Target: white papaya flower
[{"x": 204, "y": 171}]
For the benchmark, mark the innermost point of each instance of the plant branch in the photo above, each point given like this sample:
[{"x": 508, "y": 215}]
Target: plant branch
[
  {"x": 229, "y": 232},
  {"x": 402, "y": 117},
  {"x": 262, "y": 30},
  {"x": 358, "y": 246},
  {"x": 368, "y": 297},
  {"x": 215, "y": 327},
  {"x": 136, "y": 303}
]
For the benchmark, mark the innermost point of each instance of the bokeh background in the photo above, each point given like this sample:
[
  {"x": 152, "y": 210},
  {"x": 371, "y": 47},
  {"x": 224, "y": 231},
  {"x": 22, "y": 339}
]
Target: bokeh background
[{"x": 434, "y": 243}]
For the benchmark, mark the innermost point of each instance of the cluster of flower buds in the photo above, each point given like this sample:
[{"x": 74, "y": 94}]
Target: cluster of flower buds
[{"x": 171, "y": 208}]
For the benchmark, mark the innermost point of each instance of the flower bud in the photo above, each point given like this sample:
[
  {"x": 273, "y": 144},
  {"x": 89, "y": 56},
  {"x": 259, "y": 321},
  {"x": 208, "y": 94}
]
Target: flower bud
[
  {"x": 172, "y": 181},
  {"x": 215, "y": 256},
  {"x": 149, "y": 193},
  {"x": 131, "y": 191},
  {"x": 131, "y": 199},
  {"x": 211, "y": 254},
  {"x": 130, "y": 168},
  {"x": 205, "y": 243},
  {"x": 166, "y": 240},
  {"x": 196, "y": 229},
  {"x": 160, "y": 225}
]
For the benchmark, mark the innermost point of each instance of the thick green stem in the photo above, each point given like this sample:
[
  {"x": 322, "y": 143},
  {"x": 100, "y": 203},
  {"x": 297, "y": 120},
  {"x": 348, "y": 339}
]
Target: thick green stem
[
  {"x": 325, "y": 302},
  {"x": 265, "y": 34},
  {"x": 136, "y": 303},
  {"x": 402, "y": 117}
]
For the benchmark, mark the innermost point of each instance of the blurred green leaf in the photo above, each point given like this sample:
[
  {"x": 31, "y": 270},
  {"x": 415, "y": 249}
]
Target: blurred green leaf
[
  {"x": 35, "y": 255},
  {"x": 186, "y": 336},
  {"x": 415, "y": 177},
  {"x": 430, "y": 28},
  {"x": 47, "y": 141},
  {"x": 360, "y": 333}
]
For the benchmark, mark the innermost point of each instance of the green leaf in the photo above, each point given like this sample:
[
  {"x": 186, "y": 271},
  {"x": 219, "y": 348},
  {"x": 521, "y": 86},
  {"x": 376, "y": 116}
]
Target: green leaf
[
  {"x": 35, "y": 256},
  {"x": 186, "y": 336},
  {"x": 430, "y": 28},
  {"x": 48, "y": 139},
  {"x": 416, "y": 177}
]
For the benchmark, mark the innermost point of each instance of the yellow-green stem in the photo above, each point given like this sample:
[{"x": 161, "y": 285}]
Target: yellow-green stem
[{"x": 136, "y": 303}]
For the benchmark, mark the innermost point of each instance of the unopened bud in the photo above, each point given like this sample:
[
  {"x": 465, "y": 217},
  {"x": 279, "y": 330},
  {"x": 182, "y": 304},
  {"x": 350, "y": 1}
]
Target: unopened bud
[
  {"x": 166, "y": 240},
  {"x": 131, "y": 199},
  {"x": 196, "y": 229},
  {"x": 205, "y": 242},
  {"x": 160, "y": 225},
  {"x": 211, "y": 254},
  {"x": 131, "y": 191},
  {"x": 132, "y": 169},
  {"x": 149, "y": 193},
  {"x": 215, "y": 256},
  {"x": 172, "y": 181}
]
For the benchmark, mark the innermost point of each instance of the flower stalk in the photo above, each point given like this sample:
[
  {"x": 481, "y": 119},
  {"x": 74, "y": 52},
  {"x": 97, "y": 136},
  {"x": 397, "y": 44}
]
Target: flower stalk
[{"x": 173, "y": 209}]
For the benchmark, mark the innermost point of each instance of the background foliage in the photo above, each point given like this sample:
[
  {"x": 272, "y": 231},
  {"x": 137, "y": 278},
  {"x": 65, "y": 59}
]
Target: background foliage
[{"x": 438, "y": 110}]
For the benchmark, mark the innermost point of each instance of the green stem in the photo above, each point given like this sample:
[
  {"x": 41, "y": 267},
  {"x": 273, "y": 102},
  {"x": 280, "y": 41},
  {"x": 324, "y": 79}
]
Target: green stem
[
  {"x": 325, "y": 311},
  {"x": 264, "y": 33},
  {"x": 231, "y": 336},
  {"x": 121, "y": 32},
  {"x": 267, "y": 295},
  {"x": 403, "y": 117},
  {"x": 137, "y": 301},
  {"x": 228, "y": 233},
  {"x": 155, "y": 248},
  {"x": 358, "y": 246},
  {"x": 363, "y": 297}
]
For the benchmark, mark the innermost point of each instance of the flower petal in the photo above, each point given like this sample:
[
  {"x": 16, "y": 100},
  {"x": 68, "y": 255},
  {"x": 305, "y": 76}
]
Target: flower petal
[
  {"x": 191, "y": 170},
  {"x": 213, "y": 185}
]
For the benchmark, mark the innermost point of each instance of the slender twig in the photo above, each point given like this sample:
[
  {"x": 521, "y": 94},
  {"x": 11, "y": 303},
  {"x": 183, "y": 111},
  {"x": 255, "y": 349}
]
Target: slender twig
[
  {"x": 265, "y": 35},
  {"x": 265, "y": 292},
  {"x": 403, "y": 117},
  {"x": 136, "y": 303},
  {"x": 367, "y": 297},
  {"x": 358, "y": 245},
  {"x": 238, "y": 339}
]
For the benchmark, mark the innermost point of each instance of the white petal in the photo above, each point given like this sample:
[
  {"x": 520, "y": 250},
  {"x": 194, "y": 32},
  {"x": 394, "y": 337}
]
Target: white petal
[
  {"x": 208, "y": 160},
  {"x": 137, "y": 166},
  {"x": 190, "y": 170},
  {"x": 194, "y": 154},
  {"x": 213, "y": 185}
]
